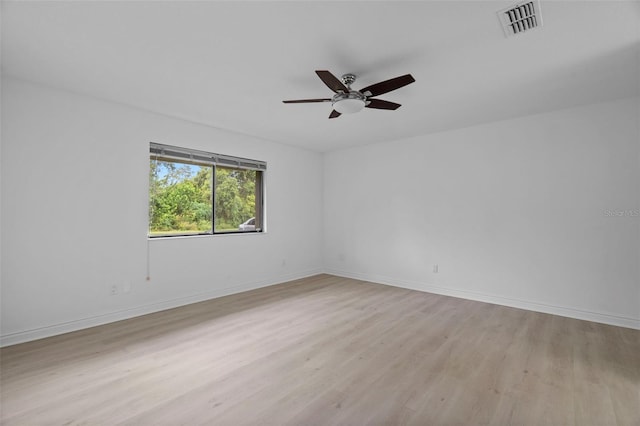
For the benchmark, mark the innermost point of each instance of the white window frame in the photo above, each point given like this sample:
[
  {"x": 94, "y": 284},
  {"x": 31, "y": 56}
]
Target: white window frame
[{"x": 162, "y": 152}]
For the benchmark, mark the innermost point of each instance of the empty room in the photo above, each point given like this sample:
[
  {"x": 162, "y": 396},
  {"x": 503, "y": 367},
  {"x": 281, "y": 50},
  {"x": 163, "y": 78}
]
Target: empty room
[{"x": 320, "y": 213}]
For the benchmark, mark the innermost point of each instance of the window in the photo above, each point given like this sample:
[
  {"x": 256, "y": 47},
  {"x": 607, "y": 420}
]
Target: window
[{"x": 199, "y": 193}]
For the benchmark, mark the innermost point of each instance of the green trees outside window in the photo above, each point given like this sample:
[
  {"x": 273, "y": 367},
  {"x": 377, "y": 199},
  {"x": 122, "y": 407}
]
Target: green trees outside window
[
  {"x": 185, "y": 199},
  {"x": 235, "y": 198}
]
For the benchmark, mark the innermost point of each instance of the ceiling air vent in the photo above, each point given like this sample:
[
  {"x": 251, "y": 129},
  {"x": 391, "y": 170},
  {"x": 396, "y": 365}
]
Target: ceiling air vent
[{"x": 521, "y": 17}]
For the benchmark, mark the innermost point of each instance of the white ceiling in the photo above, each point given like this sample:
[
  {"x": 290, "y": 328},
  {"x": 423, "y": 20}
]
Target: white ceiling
[{"x": 230, "y": 64}]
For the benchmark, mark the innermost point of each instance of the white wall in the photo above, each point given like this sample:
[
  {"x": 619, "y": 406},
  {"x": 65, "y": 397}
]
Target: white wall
[
  {"x": 521, "y": 212},
  {"x": 74, "y": 215}
]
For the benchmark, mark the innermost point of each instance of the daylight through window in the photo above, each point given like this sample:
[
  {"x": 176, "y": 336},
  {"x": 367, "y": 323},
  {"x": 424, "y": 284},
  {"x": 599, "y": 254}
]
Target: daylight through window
[{"x": 198, "y": 193}]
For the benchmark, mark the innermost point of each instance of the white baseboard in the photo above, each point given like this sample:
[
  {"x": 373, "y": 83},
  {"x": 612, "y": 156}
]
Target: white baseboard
[
  {"x": 80, "y": 324},
  {"x": 496, "y": 300}
]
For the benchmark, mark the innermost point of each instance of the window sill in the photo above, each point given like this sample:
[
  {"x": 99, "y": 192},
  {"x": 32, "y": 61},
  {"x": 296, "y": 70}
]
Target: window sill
[{"x": 181, "y": 237}]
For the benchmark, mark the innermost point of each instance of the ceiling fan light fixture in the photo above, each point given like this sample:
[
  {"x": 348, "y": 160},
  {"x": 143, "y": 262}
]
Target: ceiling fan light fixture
[
  {"x": 348, "y": 106},
  {"x": 348, "y": 103}
]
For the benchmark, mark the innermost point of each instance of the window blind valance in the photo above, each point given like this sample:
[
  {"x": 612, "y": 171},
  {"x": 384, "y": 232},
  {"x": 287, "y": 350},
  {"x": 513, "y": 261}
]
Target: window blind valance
[{"x": 203, "y": 157}]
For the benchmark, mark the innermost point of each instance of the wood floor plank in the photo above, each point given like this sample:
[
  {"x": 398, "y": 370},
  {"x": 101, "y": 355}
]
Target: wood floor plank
[{"x": 327, "y": 350}]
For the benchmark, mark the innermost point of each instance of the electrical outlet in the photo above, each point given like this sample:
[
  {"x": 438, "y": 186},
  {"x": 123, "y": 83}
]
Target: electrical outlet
[
  {"x": 435, "y": 269},
  {"x": 114, "y": 290}
]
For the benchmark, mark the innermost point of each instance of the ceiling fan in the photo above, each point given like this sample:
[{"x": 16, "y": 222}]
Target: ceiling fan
[{"x": 347, "y": 100}]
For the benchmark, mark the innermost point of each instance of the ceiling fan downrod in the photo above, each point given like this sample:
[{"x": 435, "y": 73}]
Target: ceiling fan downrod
[{"x": 348, "y": 80}]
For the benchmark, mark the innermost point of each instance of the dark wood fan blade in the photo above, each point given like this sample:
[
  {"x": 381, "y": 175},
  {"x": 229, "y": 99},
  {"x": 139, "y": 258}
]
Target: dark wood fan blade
[
  {"x": 332, "y": 81},
  {"x": 305, "y": 101},
  {"x": 380, "y": 104},
  {"x": 387, "y": 85},
  {"x": 334, "y": 114}
]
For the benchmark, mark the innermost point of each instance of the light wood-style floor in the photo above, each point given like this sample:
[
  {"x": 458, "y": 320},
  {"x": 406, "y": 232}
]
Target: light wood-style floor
[{"x": 329, "y": 351}]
